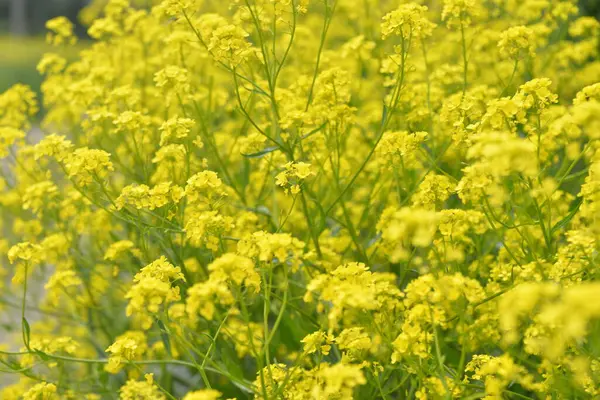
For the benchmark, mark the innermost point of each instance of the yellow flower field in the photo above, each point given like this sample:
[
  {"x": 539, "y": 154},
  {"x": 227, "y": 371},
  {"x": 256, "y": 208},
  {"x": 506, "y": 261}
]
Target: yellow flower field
[{"x": 306, "y": 199}]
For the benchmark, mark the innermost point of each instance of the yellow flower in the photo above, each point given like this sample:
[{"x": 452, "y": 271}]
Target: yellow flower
[
  {"x": 275, "y": 248},
  {"x": 235, "y": 268},
  {"x": 174, "y": 129},
  {"x": 353, "y": 288},
  {"x": 536, "y": 94},
  {"x": 40, "y": 197},
  {"x": 204, "y": 185},
  {"x": 407, "y": 21},
  {"x": 127, "y": 347},
  {"x": 86, "y": 165},
  {"x": 62, "y": 283},
  {"x": 8, "y": 137},
  {"x": 517, "y": 42},
  {"x": 203, "y": 297},
  {"x": 172, "y": 77},
  {"x": 42, "y": 390},
  {"x": 318, "y": 341},
  {"x": 172, "y": 8},
  {"x": 25, "y": 255},
  {"x": 53, "y": 145},
  {"x": 403, "y": 229},
  {"x": 207, "y": 229},
  {"x": 141, "y": 390},
  {"x": 293, "y": 176},
  {"x": 434, "y": 190},
  {"x": 50, "y": 64},
  {"x": 17, "y": 104},
  {"x": 118, "y": 249},
  {"x": 61, "y": 31},
  {"x": 460, "y": 12},
  {"x": 399, "y": 148},
  {"x": 228, "y": 44},
  {"x": 141, "y": 196},
  {"x": 339, "y": 380},
  {"x": 204, "y": 394},
  {"x": 152, "y": 289}
]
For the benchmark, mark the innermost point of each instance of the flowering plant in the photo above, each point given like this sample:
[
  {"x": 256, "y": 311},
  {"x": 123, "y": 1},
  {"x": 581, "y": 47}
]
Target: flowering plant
[{"x": 293, "y": 199}]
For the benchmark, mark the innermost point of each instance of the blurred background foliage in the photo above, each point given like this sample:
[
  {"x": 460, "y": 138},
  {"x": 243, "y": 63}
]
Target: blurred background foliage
[
  {"x": 22, "y": 32},
  {"x": 22, "y": 35},
  {"x": 590, "y": 7}
]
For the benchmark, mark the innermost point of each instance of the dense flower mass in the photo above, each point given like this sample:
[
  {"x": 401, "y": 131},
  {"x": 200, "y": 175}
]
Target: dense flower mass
[{"x": 305, "y": 200}]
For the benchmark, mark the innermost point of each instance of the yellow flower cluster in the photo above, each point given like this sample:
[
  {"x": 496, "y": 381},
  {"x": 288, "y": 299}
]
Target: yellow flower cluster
[
  {"x": 87, "y": 165},
  {"x": 407, "y": 21},
  {"x": 403, "y": 229},
  {"x": 352, "y": 290},
  {"x": 60, "y": 32},
  {"x": 517, "y": 42},
  {"x": 293, "y": 175},
  {"x": 143, "y": 197},
  {"x": 142, "y": 390},
  {"x": 152, "y": 288},
  {"x": 127, "y": 347},
  {"x": 302, "y": 200}
]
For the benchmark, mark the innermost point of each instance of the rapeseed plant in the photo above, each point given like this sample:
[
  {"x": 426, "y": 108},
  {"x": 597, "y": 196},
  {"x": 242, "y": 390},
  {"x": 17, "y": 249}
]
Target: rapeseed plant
[{"x": 294, "y": 199}]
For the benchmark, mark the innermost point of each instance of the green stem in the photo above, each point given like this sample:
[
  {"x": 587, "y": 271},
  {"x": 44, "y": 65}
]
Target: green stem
[{"x": 464, "y": 54}]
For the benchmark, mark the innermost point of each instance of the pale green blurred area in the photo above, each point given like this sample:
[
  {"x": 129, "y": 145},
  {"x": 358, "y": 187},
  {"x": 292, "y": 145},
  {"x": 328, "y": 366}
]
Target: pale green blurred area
[
  {"x": 20, "y": 56},
  {"x": 22, "y": 37},
  {"x": 22, "y": 34}
]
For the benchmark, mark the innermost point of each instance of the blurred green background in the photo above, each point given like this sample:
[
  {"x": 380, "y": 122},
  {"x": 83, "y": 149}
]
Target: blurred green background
[
  {"x": 590, "y": 7},
  {"x": 22, "y": 34}
]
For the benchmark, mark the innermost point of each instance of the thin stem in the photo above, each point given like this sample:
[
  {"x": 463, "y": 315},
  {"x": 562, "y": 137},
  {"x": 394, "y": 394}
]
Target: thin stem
[
  {"x": 326, "y": 23},
  {"x": 386, "y": 119},
  {"x": 23, "y": 305},
  {"x": 464, "y": 54}
]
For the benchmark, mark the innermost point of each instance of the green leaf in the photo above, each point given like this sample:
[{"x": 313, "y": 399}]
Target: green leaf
[
  {"x": 26, "y": 332},
  {"x": 565, "y": 221},
  {"x": 41, "y": 354},
  {"x": 103, "y": 376},
  {"x": 164, "y": 337},
  {"x": 275, "y": 148},
  {"x": 314, "y": 131},
  {"x": 262, "y": 152}
]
